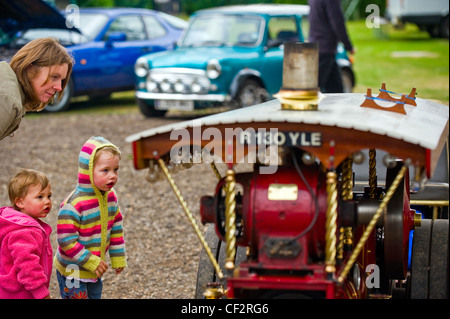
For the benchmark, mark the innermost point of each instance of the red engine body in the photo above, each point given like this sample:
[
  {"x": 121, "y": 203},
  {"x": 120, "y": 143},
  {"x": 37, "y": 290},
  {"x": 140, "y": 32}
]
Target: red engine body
[
  {"x": 281, "y": 219},
  {"x": 280, "y": 216},
  {"x": 277, "y": 215}
]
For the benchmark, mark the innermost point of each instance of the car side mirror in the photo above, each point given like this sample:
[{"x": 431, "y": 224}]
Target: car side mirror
[{"x": 115, "y": 37}]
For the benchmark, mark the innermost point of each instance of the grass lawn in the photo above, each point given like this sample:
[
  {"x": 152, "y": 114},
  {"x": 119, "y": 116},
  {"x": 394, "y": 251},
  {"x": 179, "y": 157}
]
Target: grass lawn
[{"x": 402, "y": 59}]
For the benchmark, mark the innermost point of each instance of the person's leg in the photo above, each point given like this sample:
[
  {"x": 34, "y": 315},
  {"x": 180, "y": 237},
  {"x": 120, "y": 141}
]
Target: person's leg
[
  {"x": 324, "y": 71},
  {"x": 94, "y": 289},
  {"x": 71, "y": 288},
  {"x": 330, "y": 80},
  {"x": 334, "y": 84}
]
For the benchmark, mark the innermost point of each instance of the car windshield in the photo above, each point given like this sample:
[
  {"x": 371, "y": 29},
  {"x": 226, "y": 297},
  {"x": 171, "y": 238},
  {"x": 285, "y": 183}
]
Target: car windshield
[
  {"x": 65, "y": 37},
  {"x": 175, "y": 22},
  {"x": 220, "y": 30},
  {"x": 90, "y": 25}
]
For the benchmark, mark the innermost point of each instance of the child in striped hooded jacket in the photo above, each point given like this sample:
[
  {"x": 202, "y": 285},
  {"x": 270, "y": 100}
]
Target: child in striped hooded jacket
[{"x": 90, "y": 224}]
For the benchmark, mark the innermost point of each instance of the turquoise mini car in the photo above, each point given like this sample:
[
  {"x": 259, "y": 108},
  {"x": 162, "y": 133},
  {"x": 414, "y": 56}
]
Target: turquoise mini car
[{"x": 229, "y": 55}]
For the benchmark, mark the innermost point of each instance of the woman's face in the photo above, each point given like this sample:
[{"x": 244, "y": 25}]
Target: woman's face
[{"x": 49, "y": 80}]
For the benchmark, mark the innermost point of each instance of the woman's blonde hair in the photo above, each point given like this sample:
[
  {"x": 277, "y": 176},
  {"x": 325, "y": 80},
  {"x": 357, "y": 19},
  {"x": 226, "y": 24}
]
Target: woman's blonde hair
[
  {"x": 44, "y": 52},
  {"x": 19, "y": 184}
]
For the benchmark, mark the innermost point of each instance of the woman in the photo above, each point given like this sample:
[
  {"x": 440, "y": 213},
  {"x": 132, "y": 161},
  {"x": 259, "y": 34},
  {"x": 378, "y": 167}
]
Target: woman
[{"x": 29, "y": 82}]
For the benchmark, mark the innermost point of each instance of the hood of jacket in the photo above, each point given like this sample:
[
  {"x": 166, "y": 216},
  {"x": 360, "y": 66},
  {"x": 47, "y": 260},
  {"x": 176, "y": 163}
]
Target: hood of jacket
[
  {"x": 11, "y": 219},
  {"x": 86, "y": 164}
]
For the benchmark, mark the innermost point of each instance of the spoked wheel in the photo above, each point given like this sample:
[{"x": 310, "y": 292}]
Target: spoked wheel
[
  {"x": 429, "y": 260},
  {"x": 206, "y": 273},
  {"x": 397, "y": 225}
]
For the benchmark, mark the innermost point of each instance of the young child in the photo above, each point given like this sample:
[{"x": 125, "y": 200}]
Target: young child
[
  {"x": 90, "y": 224},
  {"x": 25, "y": 249}
]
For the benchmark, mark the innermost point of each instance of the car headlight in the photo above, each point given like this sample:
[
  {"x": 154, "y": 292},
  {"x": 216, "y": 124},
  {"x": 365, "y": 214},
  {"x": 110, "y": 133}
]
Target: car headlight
[
  {"x": 151, "y": 86},
  {"x": 165, "y": 86},
  {"x": 196, "y": 87},
  {"x": 213, "y": 69},
  {"x": 179, "y": 86},
  {"x": 141, "y": 67}
]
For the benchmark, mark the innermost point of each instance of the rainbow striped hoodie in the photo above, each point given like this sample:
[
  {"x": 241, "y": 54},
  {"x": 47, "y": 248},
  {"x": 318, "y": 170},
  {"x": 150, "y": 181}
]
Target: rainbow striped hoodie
[{"x": 89, "y": 222}]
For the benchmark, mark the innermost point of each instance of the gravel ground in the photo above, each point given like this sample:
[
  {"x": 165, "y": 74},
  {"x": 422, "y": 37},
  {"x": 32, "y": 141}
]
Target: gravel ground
[{"x": 162, "y": 248}]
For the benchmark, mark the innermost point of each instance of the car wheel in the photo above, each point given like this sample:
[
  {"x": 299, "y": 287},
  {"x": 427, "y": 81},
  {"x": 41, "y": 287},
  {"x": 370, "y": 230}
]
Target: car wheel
[
  {"x": 62, "y": 104},
  {"x": 347, "y": 80},
  {"x": 444, "y": 27},
  {"x": 251, "y": 93},
  {"x": 434, "y": 31},
  {"x": 149, "y": 109}
]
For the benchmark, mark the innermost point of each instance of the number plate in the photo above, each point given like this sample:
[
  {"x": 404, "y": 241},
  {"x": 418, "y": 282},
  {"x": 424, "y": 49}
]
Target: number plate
[{"x": 174, "y": 105}]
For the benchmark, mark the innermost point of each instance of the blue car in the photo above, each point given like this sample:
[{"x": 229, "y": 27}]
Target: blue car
[
  {"x": 230, "y": 55},
  {"x": 105, "y": 47}
]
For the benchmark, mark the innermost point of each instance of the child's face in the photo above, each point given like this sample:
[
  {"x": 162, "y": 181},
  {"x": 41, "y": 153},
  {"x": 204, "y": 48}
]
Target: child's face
[
  {"x": 106, "y": 171},
  {"x": 37, "y": 203}
]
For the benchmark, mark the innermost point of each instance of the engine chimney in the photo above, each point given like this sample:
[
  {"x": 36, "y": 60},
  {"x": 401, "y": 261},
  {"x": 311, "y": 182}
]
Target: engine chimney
[{"x": 300, "y": 90}]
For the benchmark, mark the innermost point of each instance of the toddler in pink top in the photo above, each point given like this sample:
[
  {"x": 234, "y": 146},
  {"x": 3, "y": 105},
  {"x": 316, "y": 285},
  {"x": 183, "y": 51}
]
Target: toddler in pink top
[{"x": 25, "y": 249}]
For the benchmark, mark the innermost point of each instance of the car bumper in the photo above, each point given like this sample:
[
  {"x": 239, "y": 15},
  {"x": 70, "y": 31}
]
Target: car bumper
[{"x": 183, "y": 97}]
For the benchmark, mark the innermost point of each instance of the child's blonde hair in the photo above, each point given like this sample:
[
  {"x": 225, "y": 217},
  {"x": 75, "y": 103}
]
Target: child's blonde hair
[
  {"x": 19, "y": 184},
  {"x": 110, "y": 149}
]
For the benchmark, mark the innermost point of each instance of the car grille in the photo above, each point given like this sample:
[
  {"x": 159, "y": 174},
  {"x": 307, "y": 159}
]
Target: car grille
[{"x": 178, "y": 80}]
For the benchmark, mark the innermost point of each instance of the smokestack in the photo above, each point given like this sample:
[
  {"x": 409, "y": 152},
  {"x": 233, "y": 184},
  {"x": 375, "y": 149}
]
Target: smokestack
[{"x": 300, "y": 90}]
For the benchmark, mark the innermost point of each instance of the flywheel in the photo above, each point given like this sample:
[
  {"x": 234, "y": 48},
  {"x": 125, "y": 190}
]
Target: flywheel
[{"x": 397, "y": 224}]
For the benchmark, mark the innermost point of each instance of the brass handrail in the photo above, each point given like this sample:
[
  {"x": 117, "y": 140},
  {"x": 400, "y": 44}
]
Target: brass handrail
[{"x": 191, "y": 218}]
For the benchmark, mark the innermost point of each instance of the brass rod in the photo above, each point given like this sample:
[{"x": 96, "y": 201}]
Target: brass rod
[
  {"x": 230, "y": 219},
  {"x": 340, "y": 246},
  {"x": 347, "y": 194},
  {"x": 191, "y": 218},
  {"x": 372, "y": 224},
  {"x": 347, "y": 179},
  {"x": 331, "y": 223},
  {"x": 429, "y": 202},
  {"x": 372, "y": 172},
  {"x": 216, "y": 171}
]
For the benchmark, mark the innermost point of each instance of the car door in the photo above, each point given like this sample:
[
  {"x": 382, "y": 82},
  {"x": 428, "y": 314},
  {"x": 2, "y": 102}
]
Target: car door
[
  {"x": 159, "y": 36},
  {"x": 124, "y": 41}
]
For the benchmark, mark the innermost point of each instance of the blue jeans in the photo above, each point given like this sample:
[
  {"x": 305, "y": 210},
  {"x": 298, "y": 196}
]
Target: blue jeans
[{"x": 75, "y": 289}]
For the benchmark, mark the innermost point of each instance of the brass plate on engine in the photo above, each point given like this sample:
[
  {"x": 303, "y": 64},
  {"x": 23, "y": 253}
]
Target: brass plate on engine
[{"x": 282, "y": 192}]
